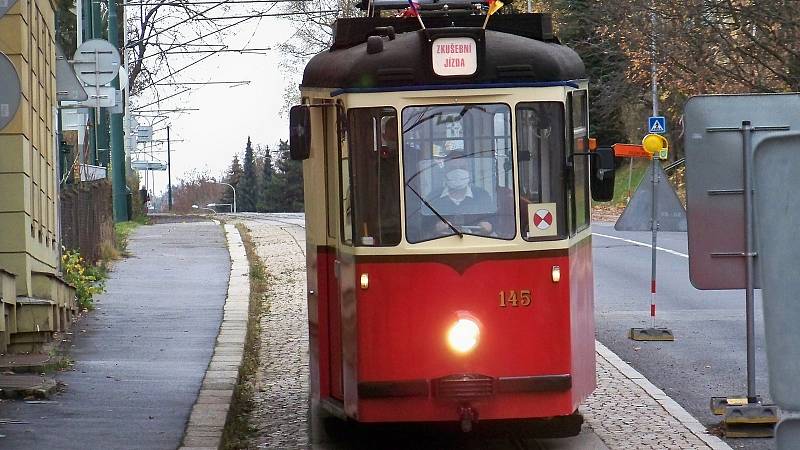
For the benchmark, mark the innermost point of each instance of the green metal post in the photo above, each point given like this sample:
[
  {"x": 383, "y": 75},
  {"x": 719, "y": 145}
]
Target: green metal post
[
  {"x": 100, "y": 156},
  {"x": 117, "y": 148}
]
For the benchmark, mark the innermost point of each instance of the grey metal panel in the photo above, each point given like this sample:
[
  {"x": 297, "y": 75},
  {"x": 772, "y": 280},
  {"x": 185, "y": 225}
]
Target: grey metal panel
[
  {"x": 787, "y": 435},
  {"x": 777, "y": 220},
  {"x": 638, "y": 214},
  {"x": 714, "y": 180},
  {"x": 5, "y": 5},
  {"x": 67, "y": 85},
  {"x": 10, "y": 91},
  {"x": 96, "y": 62}
]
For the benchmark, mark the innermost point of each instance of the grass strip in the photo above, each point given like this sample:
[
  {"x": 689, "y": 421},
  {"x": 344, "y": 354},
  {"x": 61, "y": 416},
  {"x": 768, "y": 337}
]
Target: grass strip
[
  {"x": 122, "y": 231},
  {"x": 239, "y": 432}
]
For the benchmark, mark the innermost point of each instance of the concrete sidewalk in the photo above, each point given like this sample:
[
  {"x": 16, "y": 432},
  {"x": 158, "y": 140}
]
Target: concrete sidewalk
[{"x": 141, "y": 355}]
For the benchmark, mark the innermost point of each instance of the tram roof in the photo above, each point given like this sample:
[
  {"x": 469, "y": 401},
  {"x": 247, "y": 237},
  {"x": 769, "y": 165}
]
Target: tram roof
[{"x": 515, "y": 49}]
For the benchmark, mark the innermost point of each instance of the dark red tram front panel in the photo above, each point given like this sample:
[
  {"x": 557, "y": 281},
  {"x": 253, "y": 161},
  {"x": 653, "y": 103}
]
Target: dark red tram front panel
[{"x": 394, "y": 361}]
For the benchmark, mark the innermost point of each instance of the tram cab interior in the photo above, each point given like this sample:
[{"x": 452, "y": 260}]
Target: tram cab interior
[{"x": 447, "y": 215}]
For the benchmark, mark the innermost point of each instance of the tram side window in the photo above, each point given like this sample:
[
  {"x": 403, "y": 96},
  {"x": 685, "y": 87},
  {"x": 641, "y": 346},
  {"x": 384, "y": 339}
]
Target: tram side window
[
  {"x": 579, "y": 131},
  {"x": 540, "y": 156},
  {"x": 375, "y": 176}
]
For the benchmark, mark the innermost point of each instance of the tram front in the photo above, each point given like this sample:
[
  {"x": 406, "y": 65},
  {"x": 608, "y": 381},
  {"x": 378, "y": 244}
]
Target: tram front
[{"x": 447, "y": 175}]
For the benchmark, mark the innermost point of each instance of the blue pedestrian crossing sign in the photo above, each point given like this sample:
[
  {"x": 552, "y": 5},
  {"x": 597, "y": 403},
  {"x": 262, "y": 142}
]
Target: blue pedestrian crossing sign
[{"x": 657, "y": 124}]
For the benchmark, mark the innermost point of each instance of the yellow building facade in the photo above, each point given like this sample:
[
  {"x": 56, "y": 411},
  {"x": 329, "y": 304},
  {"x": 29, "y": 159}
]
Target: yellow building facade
[{"x": 29, "y": 235}]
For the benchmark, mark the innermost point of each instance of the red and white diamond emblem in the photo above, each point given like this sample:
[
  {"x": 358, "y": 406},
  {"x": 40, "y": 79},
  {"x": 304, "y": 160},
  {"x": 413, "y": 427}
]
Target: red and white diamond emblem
[{"x": 542, "y": 219}]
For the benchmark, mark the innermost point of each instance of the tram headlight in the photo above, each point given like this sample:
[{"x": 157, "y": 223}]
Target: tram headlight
[{"x": 463, "y": 335}]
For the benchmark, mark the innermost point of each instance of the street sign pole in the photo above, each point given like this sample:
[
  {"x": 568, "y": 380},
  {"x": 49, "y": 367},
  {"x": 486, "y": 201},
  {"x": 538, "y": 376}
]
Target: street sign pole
[
  {"x": 169, "y": 171},
  {"x": 752, "y": 419},
  {"x": 654, "y": 225},
  {"x": 747, "y": 155}
]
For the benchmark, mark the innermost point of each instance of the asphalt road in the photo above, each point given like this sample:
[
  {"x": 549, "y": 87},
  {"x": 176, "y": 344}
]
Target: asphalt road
[
  {"x": 141, "y": 355},
  {"x": 707, "y": 357}
]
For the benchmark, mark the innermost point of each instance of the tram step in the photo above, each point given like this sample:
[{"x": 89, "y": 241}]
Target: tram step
[{"x": 651, "y": 334}]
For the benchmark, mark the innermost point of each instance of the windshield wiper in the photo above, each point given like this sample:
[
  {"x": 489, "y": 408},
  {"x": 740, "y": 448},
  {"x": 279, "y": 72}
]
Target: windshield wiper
[{"x": 433, "y": 210}]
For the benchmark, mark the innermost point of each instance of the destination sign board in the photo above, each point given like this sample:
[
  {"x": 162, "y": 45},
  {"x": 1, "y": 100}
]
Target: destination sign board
[{"x": 454, "y": 56}]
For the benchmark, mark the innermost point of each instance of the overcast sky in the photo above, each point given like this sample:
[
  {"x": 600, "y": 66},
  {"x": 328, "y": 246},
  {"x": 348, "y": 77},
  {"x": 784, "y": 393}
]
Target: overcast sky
[{"x": 206, "y": 140}]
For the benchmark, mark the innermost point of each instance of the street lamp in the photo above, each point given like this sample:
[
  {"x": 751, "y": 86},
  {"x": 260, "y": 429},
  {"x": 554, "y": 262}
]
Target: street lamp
[
  {"x": 232, "y": 188},
  {"x": 201, "y": 207}
]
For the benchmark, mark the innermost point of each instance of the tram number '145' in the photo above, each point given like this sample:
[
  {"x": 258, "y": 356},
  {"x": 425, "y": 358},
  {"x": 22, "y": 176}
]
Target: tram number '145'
[{"x": 512, "y": 298}]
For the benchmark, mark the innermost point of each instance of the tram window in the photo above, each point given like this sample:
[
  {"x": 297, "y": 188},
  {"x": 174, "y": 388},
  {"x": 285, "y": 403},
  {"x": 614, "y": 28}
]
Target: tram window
[
  {"x": 458, "y": 171},
  {"x": 540, "y": 156},
  {"x": 579, "y": 132},
  {"x": 375, "y": 171}
]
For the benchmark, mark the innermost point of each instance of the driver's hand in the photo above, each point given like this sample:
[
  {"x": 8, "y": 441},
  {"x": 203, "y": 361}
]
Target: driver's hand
[
  {"x": 441, "y": 227},
  {"x": 487, "y": 227}
]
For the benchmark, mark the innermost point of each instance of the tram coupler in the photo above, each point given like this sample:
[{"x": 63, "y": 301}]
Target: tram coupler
[
  {"x": 467, "y": 416},
  {"x": 651, "y": 334},
  {"x": 750, "y": 420}
]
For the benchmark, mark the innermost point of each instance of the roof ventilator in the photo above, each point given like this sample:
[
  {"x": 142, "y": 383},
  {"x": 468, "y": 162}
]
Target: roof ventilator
[{"x": 375, "y": 40}]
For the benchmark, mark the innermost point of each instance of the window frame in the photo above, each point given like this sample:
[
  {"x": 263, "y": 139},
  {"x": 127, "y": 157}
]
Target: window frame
[
  {"x": 492, "y": 138},
  {"x": 572, "y": 161},
  {"x": 353, "y": 241},
  {"x": 562, "y": 203}
]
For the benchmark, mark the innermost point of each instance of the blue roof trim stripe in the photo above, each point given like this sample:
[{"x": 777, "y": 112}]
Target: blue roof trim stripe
[{"x": 441, "y": 87}]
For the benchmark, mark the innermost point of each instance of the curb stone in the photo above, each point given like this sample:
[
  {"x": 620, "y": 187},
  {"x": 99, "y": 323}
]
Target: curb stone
[{"x": 210, "y": 411}]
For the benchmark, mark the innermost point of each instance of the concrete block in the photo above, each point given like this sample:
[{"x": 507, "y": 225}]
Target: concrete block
[{"x": 201, "y": 441}]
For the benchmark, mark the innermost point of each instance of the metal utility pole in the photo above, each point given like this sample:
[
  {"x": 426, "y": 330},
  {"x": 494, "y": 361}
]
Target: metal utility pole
[
  {"x": 117, "y": 148},
  {"x": 100, "y": 116},
  {"x": 654, "y": 217},
  {"x": 169, "y": 171}
]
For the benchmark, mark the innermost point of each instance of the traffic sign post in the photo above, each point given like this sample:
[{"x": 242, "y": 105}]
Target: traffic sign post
[
  {"x": 670, "y": 216},
  {"x": 720, "y": 135}
]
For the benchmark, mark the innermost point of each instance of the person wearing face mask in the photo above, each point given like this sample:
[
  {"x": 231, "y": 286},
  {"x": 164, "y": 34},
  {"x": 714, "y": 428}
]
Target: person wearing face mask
[{"x": 462, "y": 199}]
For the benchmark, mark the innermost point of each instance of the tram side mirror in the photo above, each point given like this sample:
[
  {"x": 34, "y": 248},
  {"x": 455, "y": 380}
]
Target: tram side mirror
[
  {"x": 603, "y": 172},
  {"x": 299, "y": 132}
]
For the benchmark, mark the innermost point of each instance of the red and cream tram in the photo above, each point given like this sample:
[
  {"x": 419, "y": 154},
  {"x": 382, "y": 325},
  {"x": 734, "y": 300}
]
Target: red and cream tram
[{"x": 447, "y": 193}]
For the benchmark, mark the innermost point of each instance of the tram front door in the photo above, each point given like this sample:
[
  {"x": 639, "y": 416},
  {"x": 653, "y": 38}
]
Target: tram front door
[{"x": 334, "y": 204}]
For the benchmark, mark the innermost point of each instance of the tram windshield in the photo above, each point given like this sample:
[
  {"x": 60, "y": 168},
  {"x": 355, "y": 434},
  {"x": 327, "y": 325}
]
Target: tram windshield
[{"x": 458, "y": 171}]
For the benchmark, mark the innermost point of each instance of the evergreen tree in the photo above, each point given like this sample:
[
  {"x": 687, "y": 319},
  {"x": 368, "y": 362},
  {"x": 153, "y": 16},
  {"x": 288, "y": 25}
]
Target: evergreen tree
[
  {"x": 288, "y": 185},
  {"x": 233, "y": 177},
  {"x": 248, "y": 185},
  {"x": 266, "y": 203}
]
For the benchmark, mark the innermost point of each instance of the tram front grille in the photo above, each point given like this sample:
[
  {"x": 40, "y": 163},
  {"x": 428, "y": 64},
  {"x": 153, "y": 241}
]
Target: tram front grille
[{"x": 464, "y": 386}]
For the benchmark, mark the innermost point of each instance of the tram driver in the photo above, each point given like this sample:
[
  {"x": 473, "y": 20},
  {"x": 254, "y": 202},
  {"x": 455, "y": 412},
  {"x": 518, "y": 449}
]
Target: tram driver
[{"x": 460, "y": 197}]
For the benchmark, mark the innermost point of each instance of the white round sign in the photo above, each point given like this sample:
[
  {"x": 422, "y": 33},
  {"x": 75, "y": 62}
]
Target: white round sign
[
  {"x": 96, "y": 62},
  {"x": 5, "y": 5},
  {"x": 10, "y": 91}
]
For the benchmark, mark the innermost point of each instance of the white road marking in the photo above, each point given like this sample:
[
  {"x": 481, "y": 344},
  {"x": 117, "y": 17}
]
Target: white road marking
[{"x": 642, "y": 244}]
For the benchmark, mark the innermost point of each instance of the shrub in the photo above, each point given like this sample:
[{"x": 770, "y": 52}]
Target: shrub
[{"x": 87, "y": 279}]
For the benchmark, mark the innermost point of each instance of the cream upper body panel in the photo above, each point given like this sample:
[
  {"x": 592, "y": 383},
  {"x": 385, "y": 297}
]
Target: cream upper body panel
[{"x": 399, "y": 100}]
